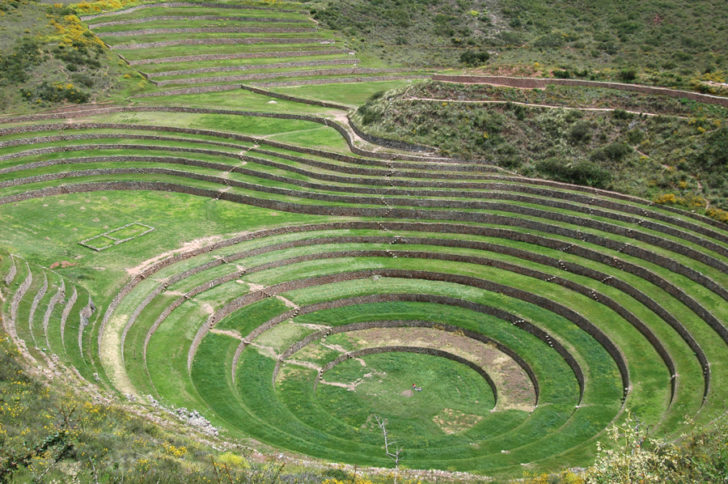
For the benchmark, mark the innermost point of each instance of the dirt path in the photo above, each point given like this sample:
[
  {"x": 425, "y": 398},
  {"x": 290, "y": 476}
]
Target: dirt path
[
  {"x": 227, "y": 332},
  {"x": 534, "y": 105},
  {"x": 187, "y": 246}
]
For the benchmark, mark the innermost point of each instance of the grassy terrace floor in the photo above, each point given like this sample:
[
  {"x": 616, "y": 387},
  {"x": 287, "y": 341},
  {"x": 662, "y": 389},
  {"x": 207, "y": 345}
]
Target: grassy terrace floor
[{"x": 155, "y": 38}]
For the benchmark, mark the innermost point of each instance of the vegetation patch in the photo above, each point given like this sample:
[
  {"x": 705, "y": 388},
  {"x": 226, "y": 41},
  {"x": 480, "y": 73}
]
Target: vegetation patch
[
  {"x": 50, "y": 57},
  {"x": 676, "y": 150},
  {"x": 451, "y": 421}
]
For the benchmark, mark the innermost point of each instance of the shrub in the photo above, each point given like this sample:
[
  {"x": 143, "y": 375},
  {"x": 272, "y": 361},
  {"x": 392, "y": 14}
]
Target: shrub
[
  {"x": 368, "y": 115},
  {"x": 639, "y": 459},
  {"x": 580, "y": 132},
  {"x": 718, "y": 214},
  {"x": 635, "y": 136},
  {"x": 715, "y": 153},
  {"x": 472, "y": 58},
  {"x": 582, "y": 173},
  {"x": 627, "y": 75},
  {"x": 25, "y": 55},
  {"x": 550, "y": 41},
  {"x": 83, "y": 79},
  {"x": 617, "y": 151},
  {"x": 621, "y": 114},
  {"x": 56, "y": 93}
]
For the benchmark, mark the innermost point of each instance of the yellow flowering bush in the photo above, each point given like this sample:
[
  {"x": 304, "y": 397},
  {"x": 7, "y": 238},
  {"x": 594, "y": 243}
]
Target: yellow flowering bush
[{"x": 86, "y": 8}]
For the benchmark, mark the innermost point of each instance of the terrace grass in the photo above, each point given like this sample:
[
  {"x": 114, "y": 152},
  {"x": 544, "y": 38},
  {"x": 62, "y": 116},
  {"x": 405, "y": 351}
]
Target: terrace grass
[
  {"x": 186, "y": 50},
  {"x": 191, "y": 12},
  {"x": 330, "y": 422},
  {"x": 351, "y": 94},
  {"x": 85, "y": 215}
]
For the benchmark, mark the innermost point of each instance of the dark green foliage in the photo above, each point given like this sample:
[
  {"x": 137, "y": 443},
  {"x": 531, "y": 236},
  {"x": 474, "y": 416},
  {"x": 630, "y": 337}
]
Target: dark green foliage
[
  {"x": 582, "y": 173},
  {"x": 78, "y": 55},
  {"x": 580, "y": 132},
  {"x": 549, "y": 41},
  {"x": 664, "y": 42},
  {"x": 82, "y": 79},
  {"x": 715, "y": 154},
  {"x": 56, "y": 93},
  {"x": 368, "y": 115},
  {"x": 472, "y": 58},
  {"x": 613, "y": 152},
  {"x": 635, "y": 136},
  {"x": 621, "y": 114},
  {"x": 628, "y": 75},
  {"x": 412, "y": 32},
  {"x": 15, "y": 67},
  {"x": 9, "y": 5}
]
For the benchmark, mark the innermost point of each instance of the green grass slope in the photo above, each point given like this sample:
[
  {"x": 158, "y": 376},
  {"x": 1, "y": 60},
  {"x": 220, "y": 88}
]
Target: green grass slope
[{"x": 665, "y": 43}]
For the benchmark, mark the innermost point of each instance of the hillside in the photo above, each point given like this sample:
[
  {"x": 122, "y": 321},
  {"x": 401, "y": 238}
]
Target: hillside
[
  {"x": 668, "y": 43},
  {"x": 669, "y": 150},
  {"x": 49, "y": 57},
  {"x": 257, "y": 249}
]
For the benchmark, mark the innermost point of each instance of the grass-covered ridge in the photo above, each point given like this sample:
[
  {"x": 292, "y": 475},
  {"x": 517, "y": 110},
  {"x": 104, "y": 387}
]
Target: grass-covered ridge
[{"x": 665, "y": 43}]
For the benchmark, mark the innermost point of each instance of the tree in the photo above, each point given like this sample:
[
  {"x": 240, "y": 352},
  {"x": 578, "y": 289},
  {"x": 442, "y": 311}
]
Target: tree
[{"x": 393, "y": 455}]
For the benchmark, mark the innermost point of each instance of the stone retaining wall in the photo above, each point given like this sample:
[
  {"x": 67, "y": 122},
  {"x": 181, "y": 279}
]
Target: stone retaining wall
[
  {"x": 240, "y": 55},
  {"x": 67, "y": 312},
  {"x": 248, "y": 67},
  {"x": 517, "y": 209},
  {"x": 217, "y": 41},
  {"x": 540, "y": 83},
  {"x": 490, "y": 286},
  {"x": 210, "y": 30},
  {"x": 376, "y": 201},
  {"x": 275, "y": 75},
  {"x": 156, "y": 18},
  {"x": 18, "y": 297},
  {"x": 413, "y": 349},
  {"x": 402, "y": 214},
  {"x": 36, "y": 300},
  {"x": 286, "y": 97},
  {"x": 414, "y": 324},
  {"x": 187, "y": 4},
  {"x": 481, "y": 261},
  {"x": 533, "y": 257},
  {"x": 340, "y": 80},
  {"x": 57, "y": 298},
  {"x": 12, "y": 272}
]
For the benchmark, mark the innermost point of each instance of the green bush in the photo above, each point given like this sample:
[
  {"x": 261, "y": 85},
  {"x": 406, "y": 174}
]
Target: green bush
[
  {"x": 55, "y": 93},
  {"x": 612, "y": 152},
  {"x": 472, "y": 58},
  {"x": 14, "y": 67},
  {"x": 368, "y": 115},
  {"x": 581, "y": 173},
  {"x": 627, "y": 75},
  {"x": 550, "y": 41},
  {"x": 715, "y": 154},
  {"x": 580, "y": 132},
  {"x": 621, "y": 114}
]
